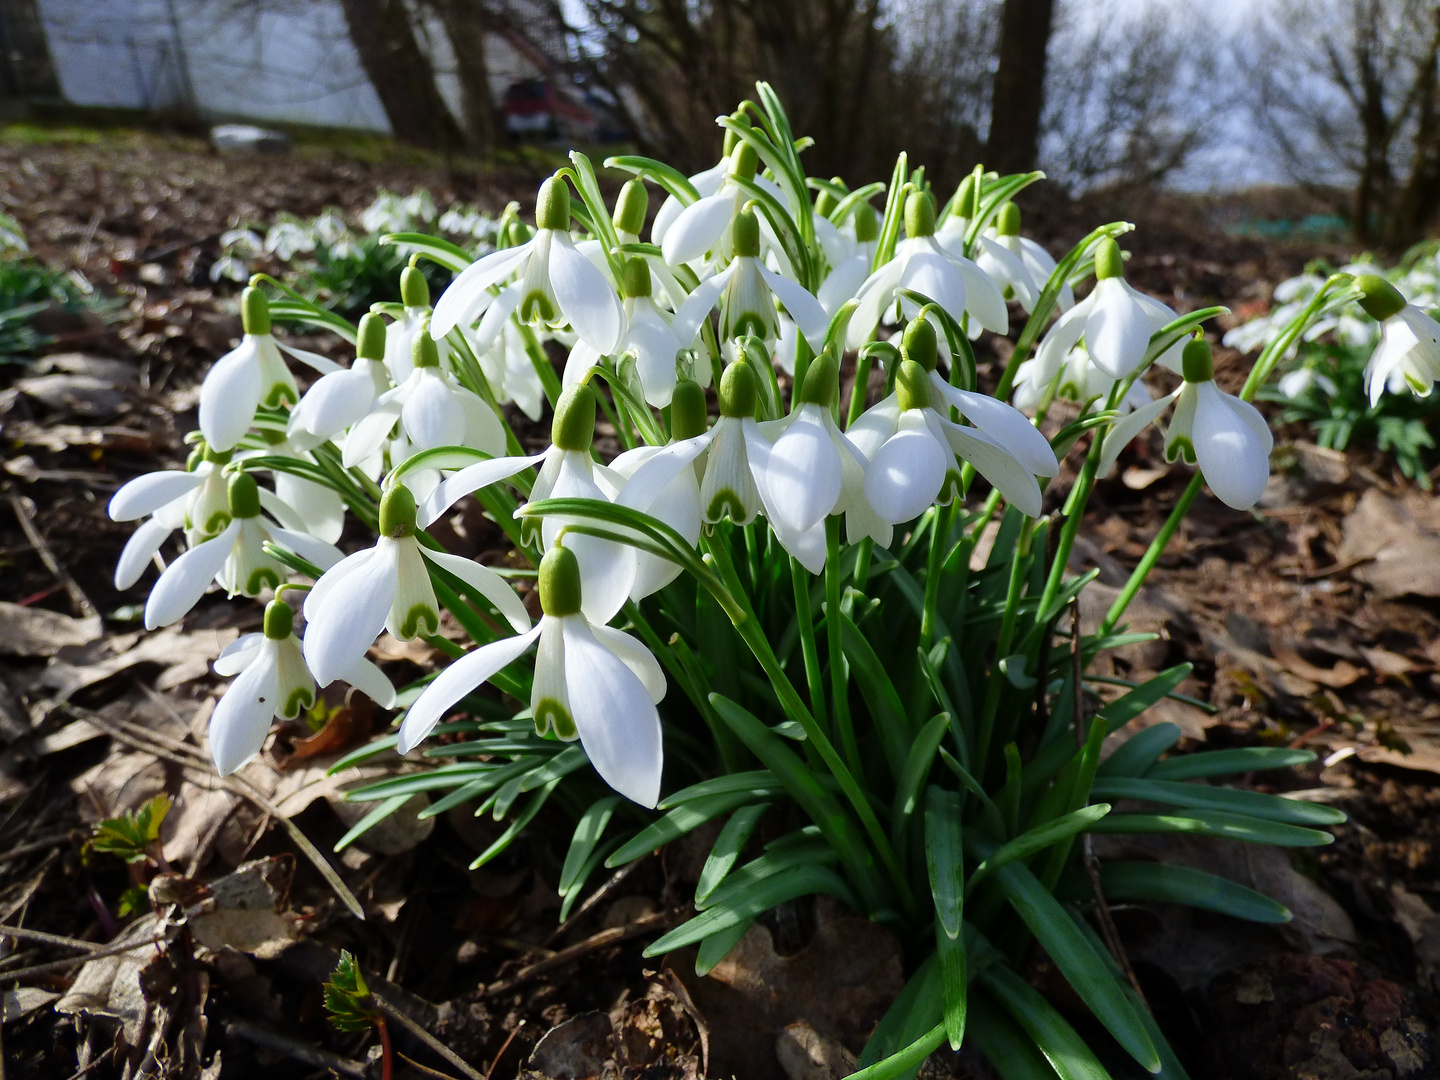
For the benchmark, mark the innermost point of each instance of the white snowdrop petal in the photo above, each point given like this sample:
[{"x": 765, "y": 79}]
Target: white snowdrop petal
[
  {"x": 698, "y": 305},
  {"x": 802, "y": 477},
  {"x": 1233, "y": 460},
  {"x": 586, "y": 296},
  {"x": 320, "y": 509},
  {"x": 346, "y": 622},
  {"x": 322, "y": 364},
  {"x": 496, "y": 316},
  {"x": 807, "y": 312},
  {"x": 581, "y": 361},
  {"x": 307, "y": 547},
  {"x": 654, "y": 344},
  {"x": 330, "y": 581},
  {"x": 236, "y": 656},
  {"x": 617, "y": 721},
  {"x": 655, "y": 474},
  {"x": 634, "y": 655},
  {"x": 148, "y": 493},
  {"x": 697, "y": 228},
  {"x": 905, "y": 475},
  {"x": 487, "y": 583},
  {"x": 1118, "y": 330},
  {"x": 431, "y": 414},
  {"x": 1014, "y": 481},
  {"x": 144, "y": 542},
  {"x": 457, "y": 680},
  {"x": 335, "y": 402},
  {"x": 874, "y": 426},
  {"x": 186, "y": 579},
  {"x": 371, "y": 681},
  {"x": 1008, "y": 426},
  {"x": 1063, "y": 335},
  {"x": 469, "y": 479},
  {"x": 241, "y": 719},
  {"x": 843, "y": 282},
  {"x": 1128, "y": 426},
  {"x": 472, "y": 282},
  {"x": 983, "y": 298},
  {"x": 230, "y": 394},
  {"x": 367, "y": 436}
]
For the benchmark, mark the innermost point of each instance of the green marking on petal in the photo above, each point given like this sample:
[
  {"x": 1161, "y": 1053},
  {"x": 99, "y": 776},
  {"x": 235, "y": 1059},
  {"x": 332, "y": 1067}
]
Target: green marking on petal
[
  {"x": 1181, "y": 447},
  {"x": 301, "y": 698},
  {"x": 1417, "y": 385},
  {"x": 550, "y": 714},
  {"x": 410, "y": 626},
  {"x": 951, "y": 488},
  {"x": 536, "y": 308},
  {"x": 261, "y": 578},
  {"x": 280, "y": 394},
  {"x": 215, "y": 524},
  {"x": 725, "y": 504}
]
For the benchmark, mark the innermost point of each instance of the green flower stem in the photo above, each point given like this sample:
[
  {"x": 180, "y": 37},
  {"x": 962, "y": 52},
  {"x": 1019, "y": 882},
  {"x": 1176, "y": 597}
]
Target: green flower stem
[
  {"x": 1019, "y": 564},
  {"x": 754, "y": 636},
  {"x": 939, "y": 535},
  {"x": 473, "y": 378},
  {"x": 839, "y": 671},
  {"x": 1152, "y": 554},
  {"x": 809, "y": 650},
  {"x": 862, "y": 563},
  {"x": 858, "y": 388}
]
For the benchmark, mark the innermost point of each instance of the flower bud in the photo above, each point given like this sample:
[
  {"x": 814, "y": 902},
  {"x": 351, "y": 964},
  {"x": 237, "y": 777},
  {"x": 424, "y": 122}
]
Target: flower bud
[
  {"x": 631, "y": 207},
  {"x": 731, "y": 139},
  {"x": 244, "y": 496},
  {"x": 867, "y": 223},
  {"x": 1378, "y": 297},
  {"x": 737, "y": 390},
  {"x": 559, "y": 582},
  {"x": 912, "y": 386},
  {"x": 1109, "y": 263},
  {"x": 218, "y": 457},
  {"x": 254, "y": 311},
  {"x": 1196, "y": 361},
  {"x": 1007, "y": 222},
  {"x": 574, "y": 425},
  {"x": 825, "y": 201},
  {"x": 920, "y": 345},
  {"x": 552, "y": 205},
  {"x": 279, "y": 620},
  {"x": 635, "y": 278},
  {"x": 919, "y": 214},
  {"x": 370, "y": 339},
  {"x": 687, "y": 410},
  {"x": 746, "y": 233},
  {"x": 822, "y": 380},
  {"x": 744, "y": 162},
  {"x": 967, "y": 198},
  {"x": 397, "y": 513},
  {"x": 196, "y": 456},
  {"x": 424, "y": 352},
  {"x": 414, "y": 289}
]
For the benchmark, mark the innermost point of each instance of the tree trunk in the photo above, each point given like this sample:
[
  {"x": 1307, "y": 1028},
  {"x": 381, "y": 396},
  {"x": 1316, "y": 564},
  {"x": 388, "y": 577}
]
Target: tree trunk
[
  {"x": 466, "y": 24},
  {"x": 1019, "y": 89},
  {"x": 401, "y": 73}
]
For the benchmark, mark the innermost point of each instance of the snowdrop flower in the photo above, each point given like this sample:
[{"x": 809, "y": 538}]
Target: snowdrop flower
[
  {"x": 343, "y": 398},
  {"x": 1019, "y": 262},
  {"x": 432, "y": 408},
  {"x": 286, "y": 239},
  {"x": 700, "y": 227},
  {"x": 235, "y": 559},
  {"x": 1080, "y": 380},
  {"x": 671, "y": 496},
  {"x": 507, "y": 367},
  {"x": 1225, "y": 436},
  {"x": 250, "y": 375},
  {"x": 193, "y": 499},
  {"x": 1408, "y": 355},
  {"x": 297, "y": 502},
  {"x": 744, "y": 290},
  {"x": 647, "y": 337},
  {"x": 592, "y": 682},
  {"x": 401, "y": 334},
  {"x": 557, "y": 284},
  {"x": 912, "y": 446},
  {"x": 1295, "y": 383},
  {"x": 922, "y": 265},
  {"x": 567, "y": 471},
  {"x": 273, "y": 684},
  {"x": 631, "y": 207},
  {"x": 847, "y": 275},
  {"x": 387, "y": 587},
  {"x": 706, "y": 182}
]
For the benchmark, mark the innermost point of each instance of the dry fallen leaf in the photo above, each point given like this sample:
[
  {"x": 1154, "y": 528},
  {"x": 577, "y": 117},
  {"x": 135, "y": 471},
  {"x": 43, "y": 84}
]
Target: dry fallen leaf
[
  {"x": 1342, "y": 674},
  {"x": 33, "y": 631},
  {"x": 1396, "y": 553}
]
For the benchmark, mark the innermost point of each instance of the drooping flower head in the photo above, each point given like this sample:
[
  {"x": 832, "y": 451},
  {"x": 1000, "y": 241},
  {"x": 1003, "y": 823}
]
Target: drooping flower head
[
  {"x": 343, "y": 398},
  {"x": 1408, "y": 356}
]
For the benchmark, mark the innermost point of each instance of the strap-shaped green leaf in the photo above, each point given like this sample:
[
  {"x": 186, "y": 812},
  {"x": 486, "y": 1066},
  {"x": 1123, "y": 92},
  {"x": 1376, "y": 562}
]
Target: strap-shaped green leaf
[
  {"x": 813, "y": 850},
  {"x": 798, "y": 881},
  {"x": 370, "y": 820},
  {"x": 1137, "y": 753},
  {"x": 718, "y": 945},
  {"x": 683, "y": 819},
  {"x": 588, "y": 831},
  {"x": 562, "y": 764},
  {"x": 1077, "y": 961},
  {"x": 1229, "y": 762},
  {"x": 532, "y": 808},
  {"x": 1052, "y": 1034},
  {"x": 886, "y": 711},
  {"x": 1204, "y": 797},
  {"x": 1038, "y": 839},
  {"x": 669, "y": 178},
  {"x": 726, "y": 852},
  {"x": 944, "y": 857},
  {"x": 1218, "y": 823},
  {"x": 917, "y": 1011},
  {"x": 762, "y": 781},
  {"x": 917, "y": 768},
  {"x": 1169, "y": 884},
  {"x": 1128, "y": 706},
  {"x": 1009, "y": 1050},
  {"x": 448, "y": 255}
]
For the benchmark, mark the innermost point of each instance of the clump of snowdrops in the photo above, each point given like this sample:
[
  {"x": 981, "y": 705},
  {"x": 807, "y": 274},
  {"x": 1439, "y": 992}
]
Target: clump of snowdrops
[
  {"x": 769, "y": 611},
  {"x": 1366, "y": 369}
]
